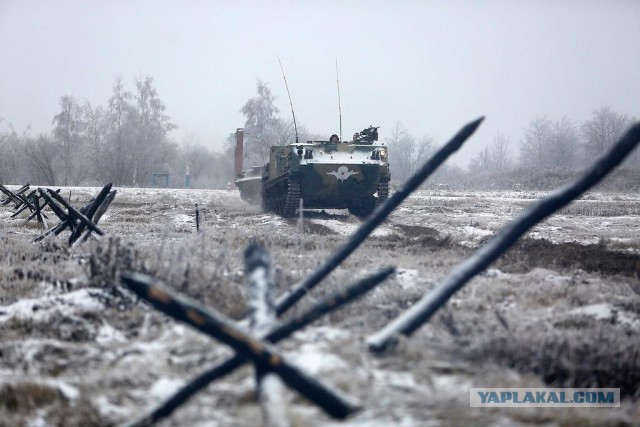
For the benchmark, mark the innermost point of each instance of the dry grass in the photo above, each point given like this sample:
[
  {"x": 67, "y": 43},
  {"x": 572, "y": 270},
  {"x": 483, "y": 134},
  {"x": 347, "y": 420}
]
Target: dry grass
[
  {"x": 29, "y": 400},
  {"x": 512, "y": 321}
]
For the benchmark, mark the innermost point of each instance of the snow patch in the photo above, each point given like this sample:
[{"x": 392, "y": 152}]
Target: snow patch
[
  {"x": 475, "y": 231},
  {"x": 401, "y": 380},
  {"x": 322, "y": 333},
  {"x": 542, "y": 274},
  {"x": 41, "y": 308},
  {"x": 165, "y": 387},
  {"x": 107, "y": 334},
  {"x": 69, "y": 391},
  {"x": 495, "y": 273},
  {"x": 314, "y": 359},
  {"x": 347, "y": 229},
  {"x": 183, "y": 218},
  {"x": 407, "y": 278},
  {"x": 605, "y": 311},
  {"x": 451, "y": 384},
  {"x": 111, "y": 410}
]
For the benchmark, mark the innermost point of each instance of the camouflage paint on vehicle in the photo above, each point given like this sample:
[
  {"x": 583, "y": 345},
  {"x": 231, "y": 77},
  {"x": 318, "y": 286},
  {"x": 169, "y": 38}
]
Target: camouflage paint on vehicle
[{"x": 353, "y": 175}]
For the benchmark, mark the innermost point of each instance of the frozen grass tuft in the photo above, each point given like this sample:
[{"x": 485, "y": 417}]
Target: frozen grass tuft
[{"x": 45, "y": 404}]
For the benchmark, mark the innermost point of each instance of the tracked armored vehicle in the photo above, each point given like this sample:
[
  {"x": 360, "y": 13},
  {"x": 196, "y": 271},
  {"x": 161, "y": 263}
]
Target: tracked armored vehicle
[{"x": 323, "y": 174}]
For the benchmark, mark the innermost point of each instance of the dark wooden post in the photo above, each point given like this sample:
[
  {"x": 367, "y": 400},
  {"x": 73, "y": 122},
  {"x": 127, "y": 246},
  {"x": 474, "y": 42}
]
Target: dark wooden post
[
  {"x": 237, "y": 168},
  {"x": 75, "y": 213},
  {"x": 90, "y": 211},
  {"x": 99, "y": 212},
  {"x": 29, "y": 204},
  {"x": 197, "y": 219},
  {"x": 13, "y": 197}
]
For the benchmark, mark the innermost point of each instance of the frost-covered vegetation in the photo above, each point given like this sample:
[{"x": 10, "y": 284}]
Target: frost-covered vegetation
[
  {"x": 129, "y": 142},
  {"x": 560, "y": 308}
]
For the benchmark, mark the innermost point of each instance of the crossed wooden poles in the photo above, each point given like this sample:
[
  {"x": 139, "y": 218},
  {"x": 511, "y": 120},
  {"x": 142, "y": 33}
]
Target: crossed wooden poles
[
  {"x": 267, "y": 360},
  {"x": 82, "y": 222},
  {"x": 15, "y": 198},
  {"x": 255, "y": 346},
  {"x": 22, "y": 202}
]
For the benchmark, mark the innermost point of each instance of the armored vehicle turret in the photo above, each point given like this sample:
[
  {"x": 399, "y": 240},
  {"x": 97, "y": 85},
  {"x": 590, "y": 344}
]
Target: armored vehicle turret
[{"x": 324, "y": 174}]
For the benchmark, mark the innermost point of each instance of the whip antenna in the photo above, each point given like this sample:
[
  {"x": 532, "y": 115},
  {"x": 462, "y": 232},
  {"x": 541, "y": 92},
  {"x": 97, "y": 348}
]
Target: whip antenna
[
  {"x": 291, "y": 103},
  {"x": 339, "y": 104}
]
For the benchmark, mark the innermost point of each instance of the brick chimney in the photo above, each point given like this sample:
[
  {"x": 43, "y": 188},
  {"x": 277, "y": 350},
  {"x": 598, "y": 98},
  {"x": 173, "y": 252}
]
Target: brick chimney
[{"x": 239, "y": 148}]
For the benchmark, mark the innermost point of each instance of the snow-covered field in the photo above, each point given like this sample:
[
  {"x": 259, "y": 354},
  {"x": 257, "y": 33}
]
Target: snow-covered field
[{"x": 561, "y": 308}]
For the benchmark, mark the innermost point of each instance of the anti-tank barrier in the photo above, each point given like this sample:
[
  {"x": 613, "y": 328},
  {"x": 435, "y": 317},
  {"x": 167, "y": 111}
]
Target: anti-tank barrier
[
  {"x": 256, "y": 346},
  {"x": 81, "y": 222}
]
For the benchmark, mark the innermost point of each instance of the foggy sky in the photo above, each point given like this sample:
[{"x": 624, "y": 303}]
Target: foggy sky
[{"x": 433, "y": 65}]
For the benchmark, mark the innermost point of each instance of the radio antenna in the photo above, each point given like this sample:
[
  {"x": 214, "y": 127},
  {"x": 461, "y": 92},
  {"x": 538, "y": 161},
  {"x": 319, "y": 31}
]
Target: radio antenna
[
  {"x": 339, "y": 104},
  {"x": 290, "y": 102}
]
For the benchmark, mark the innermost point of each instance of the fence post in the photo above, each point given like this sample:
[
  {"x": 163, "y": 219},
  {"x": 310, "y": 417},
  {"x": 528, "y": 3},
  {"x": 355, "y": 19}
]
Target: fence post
[{"x": 197, "y": 219}]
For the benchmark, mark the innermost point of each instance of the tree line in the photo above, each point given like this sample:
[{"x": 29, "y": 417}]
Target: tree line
[
  {"x": 549, "y": 154},
  {"x": 127, "y": 141}
]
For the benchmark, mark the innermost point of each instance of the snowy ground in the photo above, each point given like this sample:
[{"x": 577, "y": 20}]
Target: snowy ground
[{"x": 561, "y": 308}]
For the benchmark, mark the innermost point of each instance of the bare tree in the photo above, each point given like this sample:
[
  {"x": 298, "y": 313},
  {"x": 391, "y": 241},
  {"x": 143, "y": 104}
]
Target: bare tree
[
  {"x": 261, "y": 125},
  {"x": 426, "y": 147},
  {"x": 481, "y": 162},
  {"x": 222, "y": 173},
  {"x": 563, "y": 145},
  {"x": 120, "y": 135},
  {"x": 492, "y": 167},
  {"x": 96, "y": 129},
  {"x": 400, "y": 145},
  {"x": 152, "y": 125},
  {"x": 41, "y": 154},
  {"x": 534, "y": 148},
  {"x": 603, "y": 130},
  {"x": 451, "y": 175},
  {"x": 405, "y": 153},
  {"x": 200, "y": 161},
  {"x": 500, "y": 153},
  {"x": 10, "y": 158},
  {"x": 67, "y": 133}
]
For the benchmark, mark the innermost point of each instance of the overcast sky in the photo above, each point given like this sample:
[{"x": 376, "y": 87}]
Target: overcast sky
[{"x": 432, "y": 65}]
